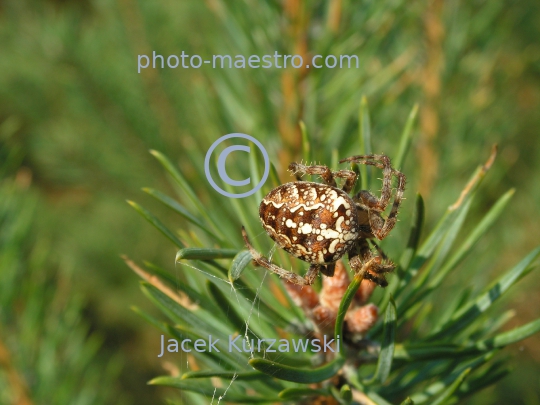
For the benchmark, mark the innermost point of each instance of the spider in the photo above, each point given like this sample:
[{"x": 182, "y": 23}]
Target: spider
[{"x": 320, "y": 223}]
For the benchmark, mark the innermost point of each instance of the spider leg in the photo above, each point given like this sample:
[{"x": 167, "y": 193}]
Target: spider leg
[
  {"x": 311, "y": 274},
  {"x": 350, "y": 178},
  {"x": 326, "y": 174},
  {"x": 379, "y": 250},
  {"x": 373, "y": 268},
  {"x": 328, "y": 270},
  {"x": 286, "y": 274},
  {"x": 376, "y": 206}
]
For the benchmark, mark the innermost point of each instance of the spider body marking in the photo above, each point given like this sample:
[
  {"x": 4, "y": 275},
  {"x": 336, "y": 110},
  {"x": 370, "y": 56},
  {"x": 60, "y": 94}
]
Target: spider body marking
[
  {"x": 314, "y": 222},
  {"x": 320, "y": 223}
]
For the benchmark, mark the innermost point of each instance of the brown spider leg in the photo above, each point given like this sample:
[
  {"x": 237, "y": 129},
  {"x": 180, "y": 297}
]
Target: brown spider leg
[
  {"x": 311, "y": 273},
  {"x": 387, "y": 263},
  {"x": 381, "y": 162},
  {"x": 286, "y": 274},
  {"x": 392, "y": 217},
  {"x": 379, "y": 250},
  {"x": 326, "y": 174},
  {"x": 372, "y": 268},
  {"x": 328, "y": 270},
  {"x": 381, "y": 227},
  {"x": 381, "y": 253},
  {"x": 323, "y": 171},
  {"x": 350, "y": 178},
  {"x": 359, "y": 253}
]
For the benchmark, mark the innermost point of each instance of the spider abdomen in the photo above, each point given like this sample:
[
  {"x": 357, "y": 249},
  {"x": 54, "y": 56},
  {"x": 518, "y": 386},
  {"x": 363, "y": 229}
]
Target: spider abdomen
[{"x": 314, "y": 222}]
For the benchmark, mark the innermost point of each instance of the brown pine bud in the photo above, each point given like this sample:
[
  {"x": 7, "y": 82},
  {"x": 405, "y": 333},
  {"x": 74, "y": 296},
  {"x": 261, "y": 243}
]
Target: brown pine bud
[
  {"x": 334, "y": 287},
  {"x": 362, "y": 319},
  {"x": 303, "y": 296},
  {"x": 364, "y": 292},
  {"x": 324, "y": 318}
]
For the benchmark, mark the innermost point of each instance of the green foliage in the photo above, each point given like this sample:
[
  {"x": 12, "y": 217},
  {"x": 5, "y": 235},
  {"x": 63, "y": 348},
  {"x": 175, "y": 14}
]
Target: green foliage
[
  {"x": 409, "y": 357},
  {"x": 82, "y": 120},
  {"x": 48, "y": 355},
  {"x": 386, "y": 356}
]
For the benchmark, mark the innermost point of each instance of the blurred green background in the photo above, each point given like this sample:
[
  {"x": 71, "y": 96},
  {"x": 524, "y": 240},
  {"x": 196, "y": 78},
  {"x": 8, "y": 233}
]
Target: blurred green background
[{"x": 77, "y": 121}]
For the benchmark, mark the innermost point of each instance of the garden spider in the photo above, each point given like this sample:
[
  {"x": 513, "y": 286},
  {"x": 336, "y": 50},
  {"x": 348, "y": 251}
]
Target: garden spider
[{"x": 320, "y": 223}]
